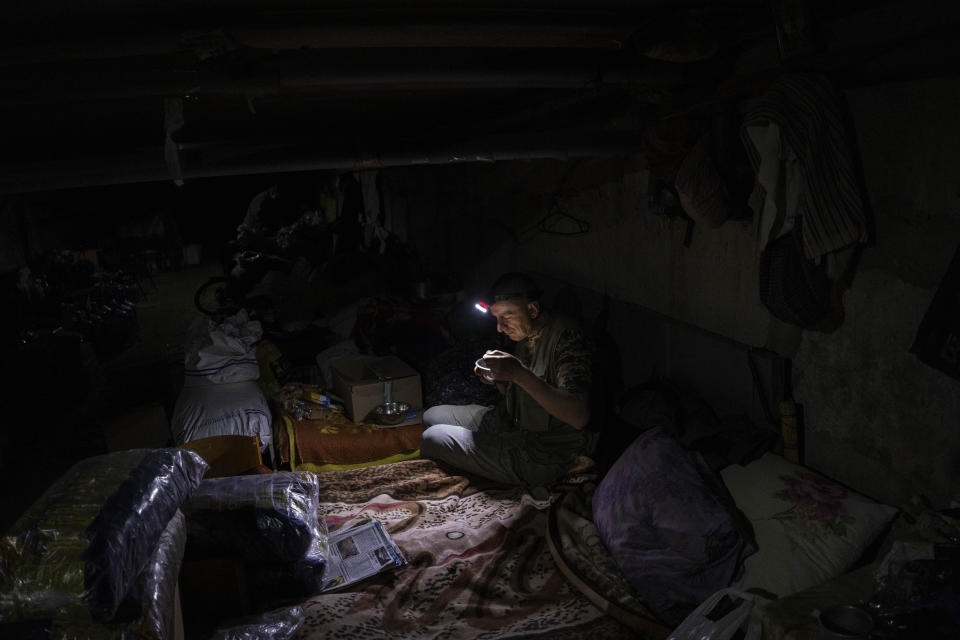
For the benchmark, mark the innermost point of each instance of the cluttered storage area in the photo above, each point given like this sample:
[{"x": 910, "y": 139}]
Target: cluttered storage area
[{"x": 619, "y": 320}]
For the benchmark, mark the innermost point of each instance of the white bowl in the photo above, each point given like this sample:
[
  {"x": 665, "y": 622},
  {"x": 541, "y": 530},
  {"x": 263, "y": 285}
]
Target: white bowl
[{"x": 485, "y": 371}]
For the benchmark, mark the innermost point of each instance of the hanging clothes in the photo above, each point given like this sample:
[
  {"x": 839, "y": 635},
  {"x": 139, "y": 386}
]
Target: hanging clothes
[{"x": 803, "y": 154}]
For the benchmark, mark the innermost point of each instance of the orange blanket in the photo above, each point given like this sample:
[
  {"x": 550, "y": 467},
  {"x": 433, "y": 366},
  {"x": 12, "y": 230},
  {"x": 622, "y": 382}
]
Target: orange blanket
[{"x": 333, "y": 439}]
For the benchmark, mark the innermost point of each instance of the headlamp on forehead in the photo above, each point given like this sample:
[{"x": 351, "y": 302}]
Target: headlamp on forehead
[{"x": 484, "y": 307}]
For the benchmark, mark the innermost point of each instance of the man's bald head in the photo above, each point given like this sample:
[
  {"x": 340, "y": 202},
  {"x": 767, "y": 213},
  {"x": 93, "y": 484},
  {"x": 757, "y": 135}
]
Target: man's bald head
[
  {"x": 515, "y": 286},
  {"x": 516, "y": 306}
]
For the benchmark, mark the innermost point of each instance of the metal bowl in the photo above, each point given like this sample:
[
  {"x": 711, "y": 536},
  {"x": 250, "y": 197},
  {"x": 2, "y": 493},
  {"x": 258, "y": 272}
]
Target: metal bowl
[
  {"x": 845, "y": 621},
  {"x": 391, "y": 413}
]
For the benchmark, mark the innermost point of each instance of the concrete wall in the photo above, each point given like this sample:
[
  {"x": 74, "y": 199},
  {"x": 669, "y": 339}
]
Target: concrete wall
[
  {"x": 637, "y": 257},
  {"x": 482, "y": 220},
  {"x": 877, "y": 418}
]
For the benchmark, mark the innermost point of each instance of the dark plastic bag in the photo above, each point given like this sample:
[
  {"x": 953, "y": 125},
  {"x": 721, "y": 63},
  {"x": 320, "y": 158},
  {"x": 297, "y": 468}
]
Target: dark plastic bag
[
  {"x": 81, "y": 547},
  {"x": 270, "y": 521},
  {"x": 670, "y": 523}
]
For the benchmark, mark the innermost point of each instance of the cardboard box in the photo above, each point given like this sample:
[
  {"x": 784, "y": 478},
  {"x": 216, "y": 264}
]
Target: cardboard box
[{"x": 363, "y": 383}]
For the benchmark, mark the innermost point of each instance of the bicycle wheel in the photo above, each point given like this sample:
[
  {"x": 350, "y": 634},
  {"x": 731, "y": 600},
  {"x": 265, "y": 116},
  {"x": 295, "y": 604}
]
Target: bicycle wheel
[{"x": 213, "y": 298}]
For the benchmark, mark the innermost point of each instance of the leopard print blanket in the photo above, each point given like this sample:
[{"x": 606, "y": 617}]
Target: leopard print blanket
[{"x": 479, "y": 565}]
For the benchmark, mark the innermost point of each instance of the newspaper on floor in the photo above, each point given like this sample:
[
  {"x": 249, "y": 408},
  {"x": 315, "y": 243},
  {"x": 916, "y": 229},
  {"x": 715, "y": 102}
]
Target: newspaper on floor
[{"x": 359, "y": 552}]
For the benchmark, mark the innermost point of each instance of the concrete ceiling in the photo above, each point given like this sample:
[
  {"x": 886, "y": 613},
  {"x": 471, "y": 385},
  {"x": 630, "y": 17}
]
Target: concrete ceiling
[{"x": 127, "y": 91}]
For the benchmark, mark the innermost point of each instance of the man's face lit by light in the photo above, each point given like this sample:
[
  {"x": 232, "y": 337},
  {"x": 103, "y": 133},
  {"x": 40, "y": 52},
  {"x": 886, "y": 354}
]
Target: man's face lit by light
[{"x": 513, "y": 318}]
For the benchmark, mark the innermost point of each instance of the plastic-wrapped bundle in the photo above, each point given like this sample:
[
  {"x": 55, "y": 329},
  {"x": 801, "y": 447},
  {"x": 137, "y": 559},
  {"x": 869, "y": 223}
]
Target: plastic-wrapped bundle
[
  {"x": 152, "y": 598},
  {"x": 273, "y": 625},
  {"x": 156, "y": 588},
  {"x": 270, "y": 521},
  {"x": 78, "y": 551}
]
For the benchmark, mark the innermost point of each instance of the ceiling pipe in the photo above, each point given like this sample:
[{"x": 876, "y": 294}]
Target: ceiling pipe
[
  {"x": 207, "y": 42},
  {"x": 196, "y": 82},
  {"x": 359, "y": 162},
  {"x": 149, "y": 166}
]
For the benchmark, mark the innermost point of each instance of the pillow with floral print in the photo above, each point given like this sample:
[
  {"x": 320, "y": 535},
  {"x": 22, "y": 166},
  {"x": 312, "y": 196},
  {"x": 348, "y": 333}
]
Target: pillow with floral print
[{"x": 809, "y": 529}]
